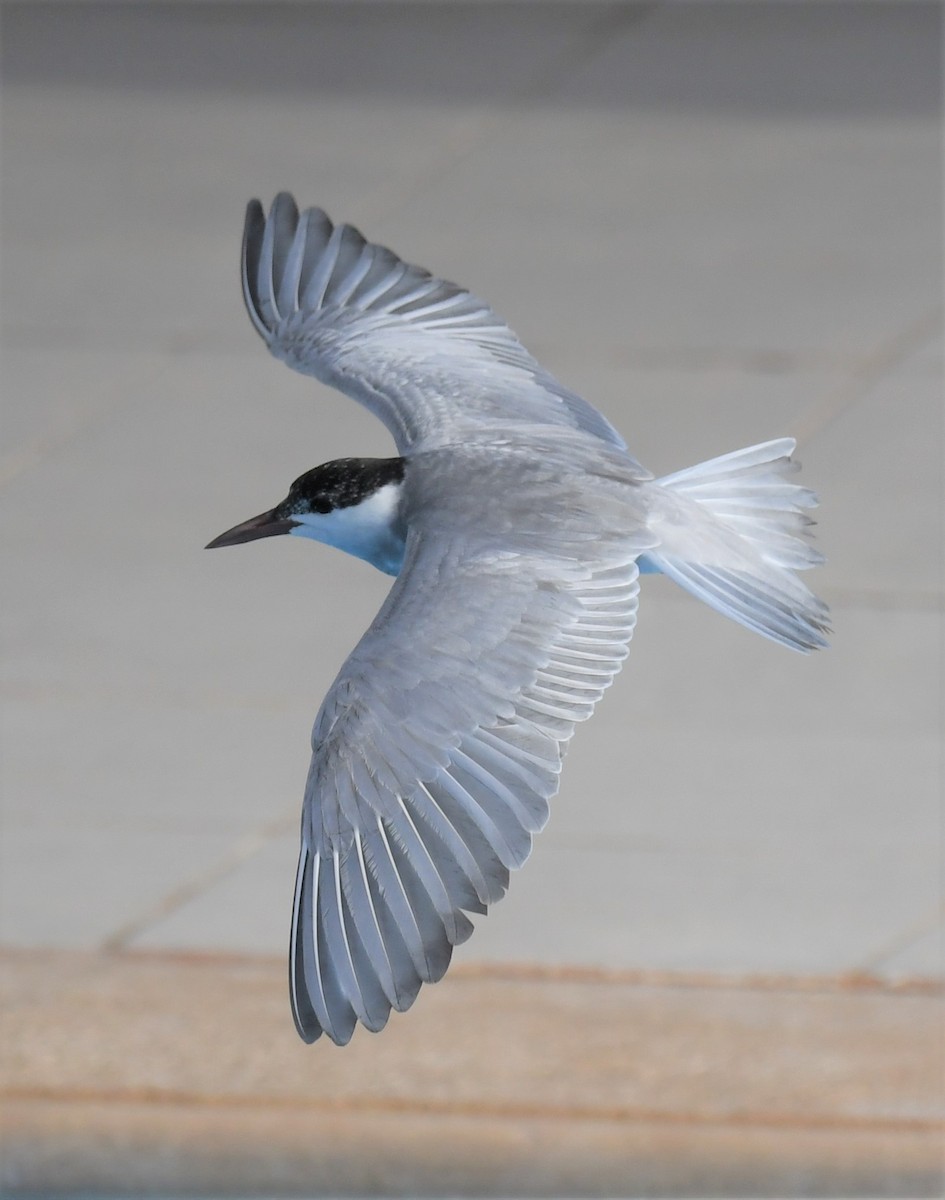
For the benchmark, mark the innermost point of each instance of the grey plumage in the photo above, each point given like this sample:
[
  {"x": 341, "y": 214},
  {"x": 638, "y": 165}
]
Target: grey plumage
[{"x": 439, "y": 745}]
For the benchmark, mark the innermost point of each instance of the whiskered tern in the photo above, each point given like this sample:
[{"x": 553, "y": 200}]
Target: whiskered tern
[{"x": 517, "y": 525}]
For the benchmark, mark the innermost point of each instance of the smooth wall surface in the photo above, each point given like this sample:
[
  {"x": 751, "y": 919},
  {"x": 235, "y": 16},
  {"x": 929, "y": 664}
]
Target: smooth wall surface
[
  {"x": 717, "y": 974},
  {"x": 720, "y": 223}
]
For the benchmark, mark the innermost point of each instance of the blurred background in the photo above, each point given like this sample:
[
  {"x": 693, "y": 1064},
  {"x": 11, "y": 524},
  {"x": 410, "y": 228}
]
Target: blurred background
[{"x": 719, "y": 974}]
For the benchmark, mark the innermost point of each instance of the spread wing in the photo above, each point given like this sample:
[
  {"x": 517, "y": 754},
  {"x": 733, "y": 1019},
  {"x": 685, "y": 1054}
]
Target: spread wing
[
  {"x": 429, "y": 359},
  {"x": 436, "y": 752}
]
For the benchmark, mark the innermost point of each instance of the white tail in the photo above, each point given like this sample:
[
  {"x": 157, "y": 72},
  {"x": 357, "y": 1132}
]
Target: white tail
[{"x": 733, "y": 531}]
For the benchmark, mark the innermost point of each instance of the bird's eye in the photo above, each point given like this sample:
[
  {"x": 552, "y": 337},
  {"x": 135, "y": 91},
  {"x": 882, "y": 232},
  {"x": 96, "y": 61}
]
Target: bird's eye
[{"x": 320, "y": 505}]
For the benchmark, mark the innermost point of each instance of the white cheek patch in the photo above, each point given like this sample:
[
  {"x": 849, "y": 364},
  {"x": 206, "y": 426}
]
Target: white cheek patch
[{"x": 378, "y": 510}]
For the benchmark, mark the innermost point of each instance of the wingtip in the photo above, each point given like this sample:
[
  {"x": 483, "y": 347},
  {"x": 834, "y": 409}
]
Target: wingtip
[
  {"x": 254, "y": 225},
  {"x": 284, "y": 205},
  {"x": 254, "y": 222}
]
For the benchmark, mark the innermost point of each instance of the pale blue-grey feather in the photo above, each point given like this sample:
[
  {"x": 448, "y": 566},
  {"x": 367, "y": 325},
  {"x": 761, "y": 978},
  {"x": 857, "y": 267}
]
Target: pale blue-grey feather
[{"x": 347, "y": 304}]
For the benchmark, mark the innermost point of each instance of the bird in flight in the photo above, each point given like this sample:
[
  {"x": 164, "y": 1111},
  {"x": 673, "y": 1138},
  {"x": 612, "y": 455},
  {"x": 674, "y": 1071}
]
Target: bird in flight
[{"x": 517, "y": 526}]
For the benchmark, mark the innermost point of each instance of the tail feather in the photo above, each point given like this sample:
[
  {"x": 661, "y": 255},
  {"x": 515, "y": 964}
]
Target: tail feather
[{"x": 734, "y": 530}]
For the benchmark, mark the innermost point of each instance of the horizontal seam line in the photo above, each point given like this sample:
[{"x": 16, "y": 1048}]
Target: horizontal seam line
[
  {"x": 851, "y": 981},
  {"x": 525, "y": 972},
  {"x": 618, "y": 1114}
]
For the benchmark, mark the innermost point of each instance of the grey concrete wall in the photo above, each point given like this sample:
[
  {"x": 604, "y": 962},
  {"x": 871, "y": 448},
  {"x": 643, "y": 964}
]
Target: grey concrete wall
[{"x": 719, "y": 223}]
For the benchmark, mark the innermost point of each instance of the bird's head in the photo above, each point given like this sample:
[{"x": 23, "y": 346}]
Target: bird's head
[{"x": 351, "y": 503}]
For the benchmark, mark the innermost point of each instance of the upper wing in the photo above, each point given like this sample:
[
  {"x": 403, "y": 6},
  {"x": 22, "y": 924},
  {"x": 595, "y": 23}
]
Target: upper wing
[
  {"x": 435, "y": 754},
  {"x": 428, "y": 358}
]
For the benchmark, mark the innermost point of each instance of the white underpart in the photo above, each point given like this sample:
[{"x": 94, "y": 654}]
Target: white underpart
[{"x": 371, "y": 530}]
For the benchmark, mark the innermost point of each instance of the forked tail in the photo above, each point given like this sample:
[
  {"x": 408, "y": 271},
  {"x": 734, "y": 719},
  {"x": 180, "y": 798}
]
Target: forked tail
[{"x": 733, "y": 532}]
